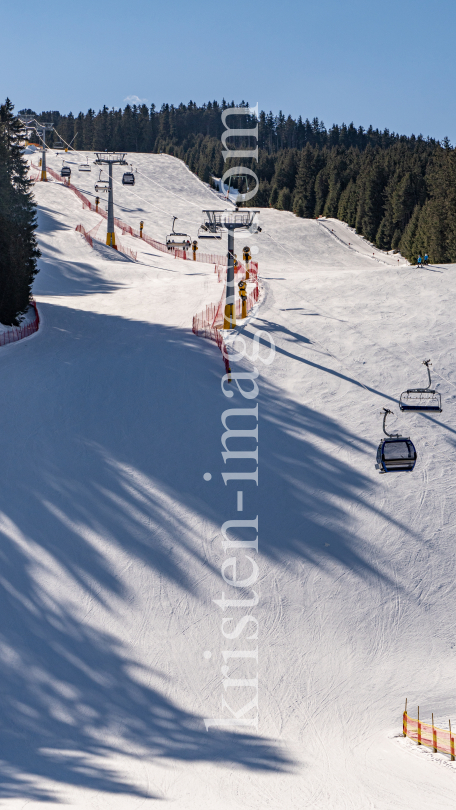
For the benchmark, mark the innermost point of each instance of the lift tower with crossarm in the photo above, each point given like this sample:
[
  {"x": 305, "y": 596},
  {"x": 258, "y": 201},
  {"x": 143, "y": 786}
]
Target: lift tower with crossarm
[
  {"x": 111, "y": 158},
  {"x": 215, "y": 222}
]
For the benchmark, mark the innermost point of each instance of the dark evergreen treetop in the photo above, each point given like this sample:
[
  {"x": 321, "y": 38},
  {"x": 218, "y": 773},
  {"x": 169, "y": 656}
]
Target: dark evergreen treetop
[
  {"x": 18, "y": 248},
  {"x": 394, "y": 189}
]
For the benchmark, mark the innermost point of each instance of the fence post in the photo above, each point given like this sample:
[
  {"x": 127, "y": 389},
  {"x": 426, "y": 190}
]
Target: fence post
[
  {"x": 404, "y": 720},
  {"x": 451, "y": 743},
  {"x": 434, "y": 735},
  {"x": 419, "y": 727}
]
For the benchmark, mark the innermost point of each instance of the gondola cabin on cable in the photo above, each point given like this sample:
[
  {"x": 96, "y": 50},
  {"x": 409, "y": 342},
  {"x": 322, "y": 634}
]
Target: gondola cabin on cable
[
  {"x": 421, "y": 399},
  {"x": 128, "y": 179},
  {"x": 65, "y": 171},
  {"x": 396, "y": 453},
  {"x": 178, "y": 241}
]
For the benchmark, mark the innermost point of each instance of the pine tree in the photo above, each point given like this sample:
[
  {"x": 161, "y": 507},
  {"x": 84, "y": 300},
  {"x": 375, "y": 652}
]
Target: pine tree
[
  {"x": 305, "y": 183},
  {"x": 284, "y": 200},
  {"x": 274, "y": 196},
  {"x": 348, "y": 204},
  {"x": 407, "y": 243},
  {"x": 18, "y": 248},
  {"x": 321, "y": 191}
]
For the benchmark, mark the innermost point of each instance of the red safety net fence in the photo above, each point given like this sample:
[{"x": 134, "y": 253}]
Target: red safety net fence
[
  {"x": 428, "y": 734},
  {"x": 239, "y": 269},
  {"x": 152, "y": 242},
  {"x": 89, "y": 236},
  {"x": 204, "y": 326},
  {"x": 132, "y": 254},
  {"x": 209, "y": 322},
  {"x": 19, "y": 332},
  {"x": 86, "y": 234},
  {"x": 208, "y": 258}
]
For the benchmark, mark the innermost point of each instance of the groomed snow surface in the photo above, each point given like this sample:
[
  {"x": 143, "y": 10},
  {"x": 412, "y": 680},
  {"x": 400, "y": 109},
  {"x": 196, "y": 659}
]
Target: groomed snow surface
[{"x": 111, "y": 537}]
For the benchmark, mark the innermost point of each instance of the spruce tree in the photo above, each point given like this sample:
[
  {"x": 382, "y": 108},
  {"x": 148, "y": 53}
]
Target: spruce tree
[
  {"x": 305, "y": 183},
  {"x": 18, "y": 247},
  {"x": 284, "y": 200}
]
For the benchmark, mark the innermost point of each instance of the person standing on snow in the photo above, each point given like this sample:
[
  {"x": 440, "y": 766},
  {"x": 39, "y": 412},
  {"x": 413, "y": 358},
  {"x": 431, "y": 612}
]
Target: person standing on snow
[
  {"x": 426, "y": 259},
  {"x": 419, "y": 260}
]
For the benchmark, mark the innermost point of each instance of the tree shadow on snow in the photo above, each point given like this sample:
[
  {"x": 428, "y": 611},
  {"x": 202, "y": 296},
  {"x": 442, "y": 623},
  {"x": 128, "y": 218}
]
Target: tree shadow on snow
[
  {"x": 72, "y": 278},
  {"x": 108, "y": 426},
  {"x": 96, "y": 466},
  {"x": 48, "y": 221}
]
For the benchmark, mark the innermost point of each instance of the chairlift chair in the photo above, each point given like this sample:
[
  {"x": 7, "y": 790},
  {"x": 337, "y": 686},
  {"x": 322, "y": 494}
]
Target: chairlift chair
[
  {"x": 101, "y": 185},
  {"x": 65, "y": 171},
  {"x": 205, "y": 233},
  {"x": 84, "y": 167},
  {"x": 421, "y": 399},
  {"x": 174, "y": 240},
  {"x": 59, "y": 145},
  {"x": 396, "y": 453}
]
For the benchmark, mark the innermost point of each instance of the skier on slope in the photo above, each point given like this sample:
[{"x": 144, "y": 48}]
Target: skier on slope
[
  {"x": 419, "y": 260},
  {"x": 426, "y": 259}
]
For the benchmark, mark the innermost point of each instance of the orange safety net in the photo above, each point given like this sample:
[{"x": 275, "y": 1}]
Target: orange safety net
[
  {"x": 19, "y": 332},
  {"x": 221, "y": 270},
  {"x": 427, "y": 734},
  {"x": 89, "y": 236},
  {"x": 209, "y": 322}
]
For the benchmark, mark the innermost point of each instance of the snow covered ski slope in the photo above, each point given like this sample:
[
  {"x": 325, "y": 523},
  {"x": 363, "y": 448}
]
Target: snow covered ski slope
[{"x": 112, "y": 645}]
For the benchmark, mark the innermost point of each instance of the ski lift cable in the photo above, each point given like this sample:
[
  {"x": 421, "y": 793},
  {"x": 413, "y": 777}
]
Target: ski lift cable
[
  {"x": 46, "y": 146},
  {"x": 188, "y": 202},
  {"x": 279, "y": 244},
  {"x": 337, "y": 359},
  {"x": 265, "y": 234},
  {"x": 350, "y": 325},
  {"x": 154, "y": 205},
  {"x": 179, "y": 196}
]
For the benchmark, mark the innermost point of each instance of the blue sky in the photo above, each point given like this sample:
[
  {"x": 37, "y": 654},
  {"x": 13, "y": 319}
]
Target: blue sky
[{"x": 390, "y": 64}]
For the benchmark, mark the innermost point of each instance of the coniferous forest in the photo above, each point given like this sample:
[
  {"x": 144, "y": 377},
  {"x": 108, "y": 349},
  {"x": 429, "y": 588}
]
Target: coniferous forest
[
  {"x": 18, "y": 247},
  {"x": 397, "y": 191}
]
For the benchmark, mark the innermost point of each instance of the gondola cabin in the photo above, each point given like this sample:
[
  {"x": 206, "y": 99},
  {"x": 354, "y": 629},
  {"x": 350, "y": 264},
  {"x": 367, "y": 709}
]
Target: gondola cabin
[
  {"x": 65, "y": 171},
  {"x": 396, "y": 454},
  {"x": 128, "y": 179}
]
